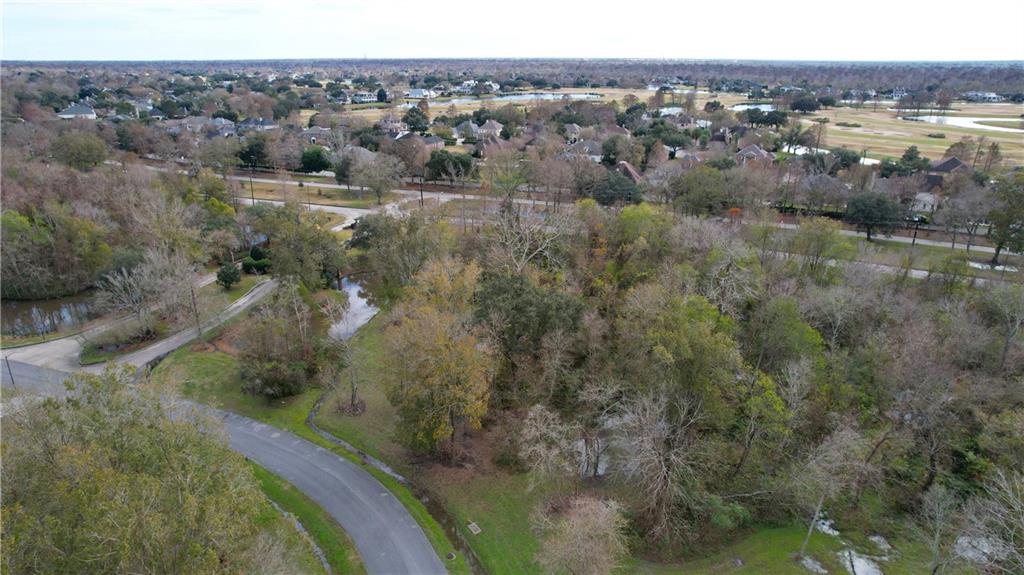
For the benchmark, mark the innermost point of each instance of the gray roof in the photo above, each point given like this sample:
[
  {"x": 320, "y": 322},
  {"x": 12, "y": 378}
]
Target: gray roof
[{"x": 78, "y": 109}]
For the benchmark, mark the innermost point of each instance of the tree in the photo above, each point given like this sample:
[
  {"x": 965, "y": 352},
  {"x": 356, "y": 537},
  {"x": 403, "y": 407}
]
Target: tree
[
  {"x": 547, "y": 447},
  {"x": 315, "y": 159},
  {"x": 254, "y": 153},
  {"x": 382, "y": 95},
  {"x": 996, "y": 523},
  {"x": 278, "y": 356},
  {"x": 936, "y": 523},
  {"x": 343, "y": 169},
  {"x": 616, "y": 189},
  {"x": 874, "y": 212},
  {"x": 381, "y": 174},
  {"x": 1007, "y": 217},
  {"x": 228, "y": 275},
  {"x": 80, "y": 150},
  {"x": 416, "y": 120},
  {"x": 587, "y": 536},
  {"x": 106, "y": 481},
  {"x": 805, "y": 105},
  {"x": 700, "y": 191},
  {"x": 1004, "y": 304},
  {"x": 451, "y": 166},
  {"x": 818, "y": 240},
  {"x": 440, "y": 375}
]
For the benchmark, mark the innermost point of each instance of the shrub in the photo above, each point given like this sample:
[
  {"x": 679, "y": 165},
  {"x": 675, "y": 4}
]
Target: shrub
[
  {"x": 228, "y": 275},
  {"x": 848, "y": 124},
  {"x": 937, "y": 135}
]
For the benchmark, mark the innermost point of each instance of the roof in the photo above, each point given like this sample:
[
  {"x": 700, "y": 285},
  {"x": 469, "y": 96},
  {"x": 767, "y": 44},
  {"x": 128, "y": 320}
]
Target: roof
[
  {"x": 948, "y": 165},
  {"x": 429, "y": 140},
  {"x": 753, "y": 151},
  {"x": 628, "y": 170},
  {"x": 585, "y": 147},
  {"x": 78, "y": 109},
  {"x": 492, "y": 125}
]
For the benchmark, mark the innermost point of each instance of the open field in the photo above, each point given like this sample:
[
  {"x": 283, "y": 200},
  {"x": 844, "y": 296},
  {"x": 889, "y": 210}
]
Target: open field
[
  {"x": 311, "y": 193},
  {"x": 883, "y": 134}
]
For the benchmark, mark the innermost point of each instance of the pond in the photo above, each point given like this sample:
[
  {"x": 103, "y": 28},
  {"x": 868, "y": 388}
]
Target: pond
[
  {"x": 360, "y": 311},
  {"x": 528, "y": 97},
  {"x": 38, "y": 317},
  {"x": 967, "y": 122},
  {"x": 743, "y": 107}
]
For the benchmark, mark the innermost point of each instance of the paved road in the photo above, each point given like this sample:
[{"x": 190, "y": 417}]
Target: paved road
[
  {"x": 388, "y": 538},
  {"x": 62, "y": 354}
]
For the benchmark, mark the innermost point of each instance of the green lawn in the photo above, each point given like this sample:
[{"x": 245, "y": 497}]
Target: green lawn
[
  {"x": 313, "y": 194},
  {"x": 212, "y": 378},
  {"x": 325, "y": 532},
  {"x": 296, "y": 550}
]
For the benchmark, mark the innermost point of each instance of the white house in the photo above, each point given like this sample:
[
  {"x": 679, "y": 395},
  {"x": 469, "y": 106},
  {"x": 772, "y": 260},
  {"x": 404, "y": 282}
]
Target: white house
[
  {"x": 420, "y": 94},
  {"x": 983, "y": 97}
]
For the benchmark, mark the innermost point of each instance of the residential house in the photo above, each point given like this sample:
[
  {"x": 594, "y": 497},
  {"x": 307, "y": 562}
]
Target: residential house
[
  {"x": 257, "y": 125},
  {"x": 315, "y": 134},
  {"x": 421, "y": 94},
  {"x": 588, "y": 148},
  {"x": 753, "y": 154},
  {"x": 393, "y": 127},
  {"x": 898, "y": 93},
  {"x": 491, "y": 128},
  {"x": 433, "y": 142},
  {"x": 688, "y": 160},
  {"x": 982, "y": 97},
  {"x": 358, "y": 153},
  {"x": 79, "y": 110},
  {"x": 573, "y": 132},
  {"x": 363, "y": 98},
  {"x": 467, "y": 130}
]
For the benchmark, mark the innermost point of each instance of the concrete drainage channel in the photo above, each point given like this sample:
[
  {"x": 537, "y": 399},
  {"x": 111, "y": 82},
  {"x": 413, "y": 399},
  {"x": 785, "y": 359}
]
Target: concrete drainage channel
[{"x": 436, "y": 510}]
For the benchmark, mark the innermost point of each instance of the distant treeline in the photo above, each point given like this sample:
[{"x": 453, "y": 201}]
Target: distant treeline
[{"x": 1003, "y": 77}]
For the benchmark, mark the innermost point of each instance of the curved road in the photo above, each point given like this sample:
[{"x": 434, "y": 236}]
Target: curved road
[{"x": 389, "y": 540}]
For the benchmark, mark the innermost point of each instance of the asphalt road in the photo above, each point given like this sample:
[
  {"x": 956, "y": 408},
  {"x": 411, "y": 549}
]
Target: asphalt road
[{"x": 389, "y": 540}]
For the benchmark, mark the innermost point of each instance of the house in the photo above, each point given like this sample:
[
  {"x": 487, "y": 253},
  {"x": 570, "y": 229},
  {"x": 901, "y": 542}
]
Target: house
[
  {"x": 358, "y": 153},
  {"x": 573, "y": 132},
  {"x": 982, "y": 97},
  {"x": 257, "y": 125},
  {"x": 491, "y": 128},
  {"x": 315, "y": 134},
  {"x": 589, "y": 148},
  {"x": 627, "y": 169},
  {"x": 393, "y": 127},
  {"x": 467, "y": 130},
  {"x": 79, "y": 110},
  {"x": 433, "y": 142},
  {"x": 688, "y": 160},
  {"x": 363, "y": 98},
  {"x": 752, "y": 153},
  {"x": 950, "y": 165},
  {"x": 420, "y": 94},
  {"x": 898, "y": 94},
  {"x": 615, "y": 130},
  {"x": 487, "y": 145},
  {"x": 924, "y": 202}
]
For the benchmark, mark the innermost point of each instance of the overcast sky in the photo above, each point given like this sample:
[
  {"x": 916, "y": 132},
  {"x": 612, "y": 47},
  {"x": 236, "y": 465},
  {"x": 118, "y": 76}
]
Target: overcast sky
[{"x": 701, "y": 29}]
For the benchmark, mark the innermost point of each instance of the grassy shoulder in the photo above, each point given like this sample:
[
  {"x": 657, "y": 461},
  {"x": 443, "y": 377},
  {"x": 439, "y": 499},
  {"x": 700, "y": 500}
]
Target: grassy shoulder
[
  {"x": 324, "y": 530},
  {"x": 294, "y": 550},
  {"x": 208, "y": 373},
  {"x": 212, "y": 298}
]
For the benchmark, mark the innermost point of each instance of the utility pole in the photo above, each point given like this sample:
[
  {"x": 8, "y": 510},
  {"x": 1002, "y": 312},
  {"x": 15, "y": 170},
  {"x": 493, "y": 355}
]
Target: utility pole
[{"x": 195, "y": 310}]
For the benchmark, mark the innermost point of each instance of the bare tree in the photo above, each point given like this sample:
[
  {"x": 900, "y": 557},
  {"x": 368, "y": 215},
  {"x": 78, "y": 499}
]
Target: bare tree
[
  {"x": 587, "y": 537},
  {"x": 548, "y": 446},
  {"x": 995, "y": 531},
  {"x": 936, "y": 523}
]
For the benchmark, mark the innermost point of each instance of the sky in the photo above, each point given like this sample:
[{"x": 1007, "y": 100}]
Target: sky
[{"x": 876, "y": 30}]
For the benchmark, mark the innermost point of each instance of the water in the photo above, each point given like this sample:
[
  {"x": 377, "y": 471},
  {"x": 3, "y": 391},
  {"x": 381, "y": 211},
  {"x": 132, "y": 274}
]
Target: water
[
  {"x": 530, "y": 97},
  {"x": 38, "y": 317},
  {"x": 743, "y": 107},
  {"x": 966, "y": 122},
  {"x": 360, "y": 311}
]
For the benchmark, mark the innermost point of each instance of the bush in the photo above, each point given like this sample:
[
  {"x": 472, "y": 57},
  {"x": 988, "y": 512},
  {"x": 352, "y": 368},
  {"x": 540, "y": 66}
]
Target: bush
[
  {"x": 228, "y": 275},
  {"x": 939, "y": 135},
  {"x": 257, "y": 253},
  {"x": 848, "y": 124},
  {"x": 254, "y": 266}
]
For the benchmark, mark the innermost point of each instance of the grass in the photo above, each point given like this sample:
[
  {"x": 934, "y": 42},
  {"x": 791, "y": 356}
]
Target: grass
[
  {"x": 212, "y": 299},
  {"x": 313, "y": 194},
  {"x": 1004, "y": 123},
  {"x": 212, "y": 378},
  {"x": 882, "y": 134},
  {"x": 322, "y": 528},
  {"x": 295, "y": 549}
]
